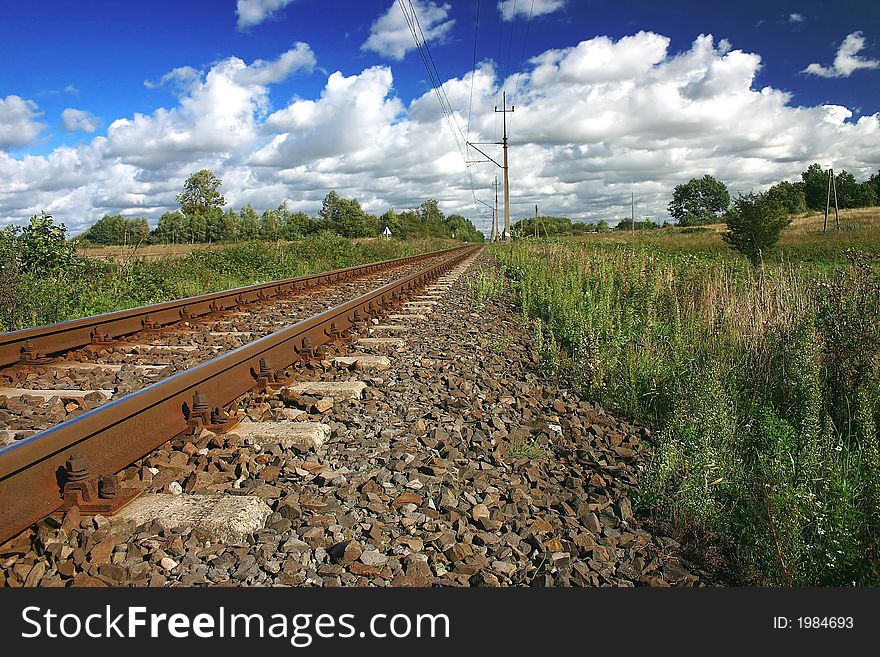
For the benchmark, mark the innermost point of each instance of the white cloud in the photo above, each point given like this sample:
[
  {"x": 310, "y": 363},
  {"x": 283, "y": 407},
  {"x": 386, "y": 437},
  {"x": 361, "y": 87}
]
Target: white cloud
[
  {"x": 390, "y": 35},
  {"x": 263, "y": 72},
  {"x": 18, "y": 121},
  {"x": 182, "y": 78},
  {"x": 796, "y": 18},
  {"x": 217, "y": 114},
  {"x": 510, "y": 9},
  {"x": 254, "y": 12},
  {"x": 593, "y": 123},
  {"x": 846, "y": 61},
  {"x": 74, "y": 120}
]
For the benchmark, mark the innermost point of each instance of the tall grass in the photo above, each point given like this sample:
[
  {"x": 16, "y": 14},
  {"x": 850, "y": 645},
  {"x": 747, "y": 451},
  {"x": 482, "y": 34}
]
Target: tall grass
[
  {"x": 89, "y": 286},
  {"x": 764, "y": 386}
]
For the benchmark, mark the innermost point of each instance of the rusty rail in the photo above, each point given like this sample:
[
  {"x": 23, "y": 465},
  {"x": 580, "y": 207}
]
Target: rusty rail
[
  {"x": 52, "y": 339},
  {"x": 112, "y": 436}
]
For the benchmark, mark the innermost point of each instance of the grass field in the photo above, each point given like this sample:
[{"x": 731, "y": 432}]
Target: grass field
[
  {"x": 802, "y": 241},
  {"x": 764, "y": 385},
  {"x": 115, "y": 278}
]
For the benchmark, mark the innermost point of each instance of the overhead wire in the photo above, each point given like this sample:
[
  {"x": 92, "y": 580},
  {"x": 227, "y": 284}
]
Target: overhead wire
[{"x": 523, "y": 52}]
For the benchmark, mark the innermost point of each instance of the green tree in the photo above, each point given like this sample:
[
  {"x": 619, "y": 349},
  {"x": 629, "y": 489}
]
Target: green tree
[
  {"x": 298, "y": 225},
  {"x": 851, "y": 193},
  {"x": 789, "y": 195},
  {"x": 230, "y": 225},
  {"x": 754, "y": 226},
  {"x": 602, "y": 226},
  {"x": 699, "y": 201},
  {"x": 874, "y": 183},
  {"x": 429, "y": 212},
  {"x": 44, "y": 247},
  {"x": 346, "y": 217},
  {"x": 391, "y": 220},
  {"x": 250, "y": 223},
  {"x": 200, "y": 192},
  {"x": 815, "y": 180},
  {"x": 463, "y": 229},
  {"x": 270, "y": 225},
  {"x": 173, "y": 228}
]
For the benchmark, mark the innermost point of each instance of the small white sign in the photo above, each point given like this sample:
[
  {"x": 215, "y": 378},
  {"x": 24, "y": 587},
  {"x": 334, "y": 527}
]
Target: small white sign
[{"x": 387, "y": 231}]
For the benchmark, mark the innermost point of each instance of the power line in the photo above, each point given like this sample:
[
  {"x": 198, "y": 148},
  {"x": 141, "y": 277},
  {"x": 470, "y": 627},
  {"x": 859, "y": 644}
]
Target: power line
[
  {"x": 523, "y": 53},
  {"x": 412, "y": 20},
  {"x": 473, "y": 69}
]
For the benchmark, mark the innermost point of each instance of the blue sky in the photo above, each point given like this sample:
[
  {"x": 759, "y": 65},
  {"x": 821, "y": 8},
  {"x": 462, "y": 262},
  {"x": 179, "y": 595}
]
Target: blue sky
[{"x": 107, "y": 106}]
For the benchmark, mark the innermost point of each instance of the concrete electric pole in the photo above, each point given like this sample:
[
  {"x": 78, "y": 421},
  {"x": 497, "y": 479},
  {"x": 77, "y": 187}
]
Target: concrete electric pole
[{"x": 504, "y": 112}]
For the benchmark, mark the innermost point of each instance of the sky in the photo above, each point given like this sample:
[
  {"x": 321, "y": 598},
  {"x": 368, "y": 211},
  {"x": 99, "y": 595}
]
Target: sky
[{"x": 107, "y": 107}]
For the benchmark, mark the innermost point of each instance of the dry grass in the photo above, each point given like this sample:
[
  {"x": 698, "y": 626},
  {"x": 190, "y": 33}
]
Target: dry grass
[{"x": 802, "y": 240}]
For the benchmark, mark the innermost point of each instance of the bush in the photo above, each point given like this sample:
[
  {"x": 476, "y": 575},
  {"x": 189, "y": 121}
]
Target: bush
[{"x": 754, "y": 225}]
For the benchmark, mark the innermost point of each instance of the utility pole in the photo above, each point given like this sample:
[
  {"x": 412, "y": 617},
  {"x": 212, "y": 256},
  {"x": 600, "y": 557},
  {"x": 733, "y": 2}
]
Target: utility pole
[
  {"x": 504, "y": 112},
  {"x": 832, "y": 184},
  {"x": 633, "y": 212}
]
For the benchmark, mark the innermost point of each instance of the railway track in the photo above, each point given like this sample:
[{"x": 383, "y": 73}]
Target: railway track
[
  {"x": 396, "y": 433},
  {"x": 111, "y": 389}
]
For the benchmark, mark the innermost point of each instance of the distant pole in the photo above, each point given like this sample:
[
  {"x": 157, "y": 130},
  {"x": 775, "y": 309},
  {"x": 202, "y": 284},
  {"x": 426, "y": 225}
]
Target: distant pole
[
  {"x": 828, "y": 199},
  {"x": 537, "y": 233},
  {"x": 633, "y": 212},
  {"x": 836, "y": 211}
]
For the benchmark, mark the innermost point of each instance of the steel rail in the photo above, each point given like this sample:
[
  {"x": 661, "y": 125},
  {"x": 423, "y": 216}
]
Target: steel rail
[
  {"x": 73, "y": 334},
  {"x": 118, "y": 433}
]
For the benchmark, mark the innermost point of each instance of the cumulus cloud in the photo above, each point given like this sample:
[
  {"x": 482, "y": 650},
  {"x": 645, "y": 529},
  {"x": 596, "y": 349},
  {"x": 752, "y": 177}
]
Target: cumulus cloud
[
  {"x": 262, "y": 72},
  {"x": 846, "y": 61},
  {"x": 352, "y": 114},
  {"x": 593, "y": 123},
  {"x": 218, "y": 113},
  {"x": 18, "y": 121},
  {"x": 254, "y": 12},
  {"x": 74, "y": 120},
  {"x": 390, "y": 35},
  {"x": 510, "y": 9},
  {"x": 796, "y": 18}
]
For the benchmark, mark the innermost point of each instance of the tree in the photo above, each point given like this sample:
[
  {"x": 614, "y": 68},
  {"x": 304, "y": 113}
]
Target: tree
[
  {"x": 463, "y": 229},
  {"x": 851, "y": 193},
  {"x": 754, "y": 226},
  {"x": 815, "y": 186},
  {"x": 200, "y": 192},
  {"x": 429, "y": 212},
  {"x": 391, "y": 220},
  {"x": 173, "y": 228},
  {"x": 789, "y": 195},
  {"x": 602, "y": 226},
  {"x": 699, "y": 201},
  {"x": 298, "y": 225},
  {"x": 874, "y": 183},
  {"x": 346, "y": 217},
  {"x": 44, "y": 247},
  {"x": 229, "y": 226},
  {"x": 250, "y": 223}
]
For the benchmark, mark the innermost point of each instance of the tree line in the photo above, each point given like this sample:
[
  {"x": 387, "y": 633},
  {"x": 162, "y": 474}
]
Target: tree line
[
  {"x": 202, "y": 219},
  {"x": 706, "y": 200}
]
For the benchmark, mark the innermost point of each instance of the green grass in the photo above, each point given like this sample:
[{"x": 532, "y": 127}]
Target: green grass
[
  {"x": 90, "y": 286},
  {"x": 764, "y": 386},
  {"x": 530, "y": 449}
]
